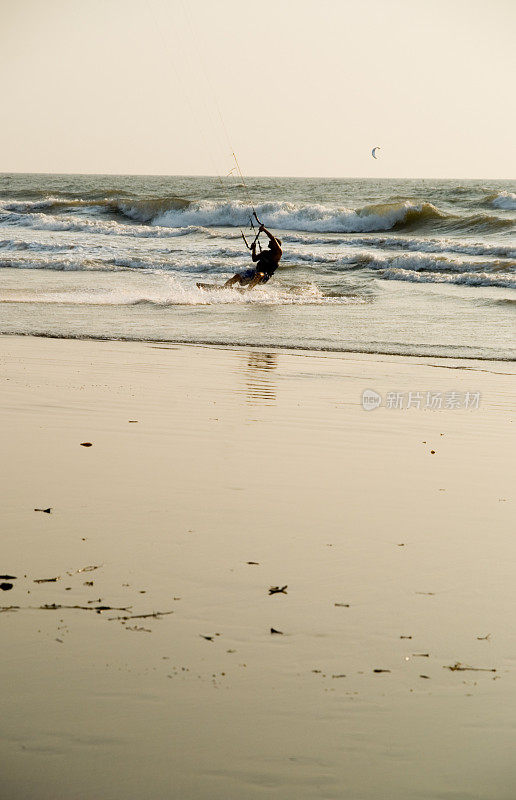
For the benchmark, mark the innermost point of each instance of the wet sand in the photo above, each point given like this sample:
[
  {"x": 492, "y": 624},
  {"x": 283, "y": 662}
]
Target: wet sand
[{"x": 238, "y": 456}]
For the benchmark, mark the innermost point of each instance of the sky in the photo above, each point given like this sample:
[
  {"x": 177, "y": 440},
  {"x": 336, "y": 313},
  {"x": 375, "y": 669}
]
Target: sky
[{"x": 302, "y": 88}]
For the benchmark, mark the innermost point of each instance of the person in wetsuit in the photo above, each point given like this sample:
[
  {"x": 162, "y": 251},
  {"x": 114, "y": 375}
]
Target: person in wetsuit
[{"x": 267, "y": 263}]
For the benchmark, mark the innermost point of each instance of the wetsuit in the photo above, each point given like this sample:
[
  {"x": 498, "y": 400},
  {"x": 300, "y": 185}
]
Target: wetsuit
[{"x": 267, "y": 262}]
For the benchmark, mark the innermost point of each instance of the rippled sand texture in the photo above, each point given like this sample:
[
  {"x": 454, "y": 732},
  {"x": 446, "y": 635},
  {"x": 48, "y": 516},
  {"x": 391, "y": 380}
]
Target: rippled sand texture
[{"x": 213, "y": 476}]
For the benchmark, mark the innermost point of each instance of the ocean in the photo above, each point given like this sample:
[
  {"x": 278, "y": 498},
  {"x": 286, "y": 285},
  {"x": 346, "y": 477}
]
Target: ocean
[{"x": 407, "y": 267}]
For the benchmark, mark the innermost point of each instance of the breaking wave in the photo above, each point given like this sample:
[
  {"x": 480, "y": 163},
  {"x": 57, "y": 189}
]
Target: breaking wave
[
  {"x": 187, "y": 265},
  {"x": 417, "y": 261},
  {"x": 467, "y": 278},
  {"x": 21, "y": 246},
  {"x": 175, "y": 294},
  {"x": 409, "y": 243},
  {"x": 504, "y": 200},
  {"x": 154, "y": 216},
  {"x": 142, "y": 209},
  {"x": 44, "y": 222},
  {"x": 427, "y": 263},
  {"x": 312, "y": 218},
  {"x": 425, "y": 267},
  {"x": 224, "y": 261},
  {"x": 319, "y": 218}
]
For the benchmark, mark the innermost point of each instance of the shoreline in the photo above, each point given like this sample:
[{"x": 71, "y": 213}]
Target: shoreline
[{"x": 264, "y": 346}]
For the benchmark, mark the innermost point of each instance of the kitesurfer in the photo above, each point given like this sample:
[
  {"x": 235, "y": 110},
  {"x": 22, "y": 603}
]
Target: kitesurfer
[{"x": 267, "y": 263}]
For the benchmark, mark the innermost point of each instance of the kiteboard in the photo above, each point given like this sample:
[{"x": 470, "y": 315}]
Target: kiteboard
[{"x": 217, "y": 287}]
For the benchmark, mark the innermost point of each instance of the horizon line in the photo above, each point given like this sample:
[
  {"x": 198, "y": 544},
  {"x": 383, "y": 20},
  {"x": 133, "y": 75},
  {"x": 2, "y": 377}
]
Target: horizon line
[{"x": 253, "y": 177}]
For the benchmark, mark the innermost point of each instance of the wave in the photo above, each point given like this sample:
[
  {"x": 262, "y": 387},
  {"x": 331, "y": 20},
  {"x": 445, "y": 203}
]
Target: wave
[
  {"x": 477, "y": 223},
  {"x": 224, "y": 261},
  {"x": 142, "y": 209},
  {"x": 408, "y": 243},
  {"x": 17, "y": 245},
  {"x": 315, "y": 218},
  {"x": 107, "y": 227},
  {"x": 467, "y": 278},
  {"x": 58, "y": 264},
  {"x": 500, "y": 301},
  {"x": 52, "y": 205},
  {"x": 187, "y": 265},
  {"x": 27, "y": 192},
  {"x": 416, "y": 261},
  {"x": 178, "y": 213},
  {"x": 175, "y": 294},
  {"x": 318, "y": 218},
  {"x": 426, "y": 263},
  {"x": 148, "y": 209},
  {"x": 503, "y": 200}
]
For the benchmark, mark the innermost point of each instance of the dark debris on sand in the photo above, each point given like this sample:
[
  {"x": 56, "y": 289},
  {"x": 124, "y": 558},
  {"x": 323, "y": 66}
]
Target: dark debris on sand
[
  {"x": 96, "y": 605},
  {"x": 458, "y": 667},
  {"x": 153, "y": 615}
]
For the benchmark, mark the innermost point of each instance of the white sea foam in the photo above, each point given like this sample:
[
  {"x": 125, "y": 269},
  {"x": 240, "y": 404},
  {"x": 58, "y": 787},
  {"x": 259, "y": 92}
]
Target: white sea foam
[
  {"x": 20, "y": 245},
  {"x": 199, "y": 217},
  {"x": 373, "y": 260},
  {"x": 92, "y": 261},
  {"x": 56, "y": 264},
  {"x": 505, "y": 200},
  {"x": 467, "y": 278},
  {"x": 188, "y": 265},
  {"x": 318, "y": 218},
  {"x": 53, "y": 205},
  {"x": 46, "y": 222},
  {"x": 176, "y": 293},
  {"x": 290, "y": 216},
  {"x": 392, "y": 242},
  {"x": 426, "y": 263},
  {"x": 197, "y": 263}
]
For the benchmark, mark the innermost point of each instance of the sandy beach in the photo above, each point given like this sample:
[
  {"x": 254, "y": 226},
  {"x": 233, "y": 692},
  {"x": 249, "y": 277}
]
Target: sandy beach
[{"x": 164, "y": 667}]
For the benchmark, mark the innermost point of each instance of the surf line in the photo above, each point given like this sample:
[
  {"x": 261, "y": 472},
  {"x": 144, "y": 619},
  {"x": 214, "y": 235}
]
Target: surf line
[{"x": 200, "y": 60}]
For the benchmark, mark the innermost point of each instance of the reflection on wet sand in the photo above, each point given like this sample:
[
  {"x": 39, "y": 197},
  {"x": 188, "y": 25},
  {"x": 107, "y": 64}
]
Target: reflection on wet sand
[
  {"x": 261, "y": 388},
  {"x": 282, "y": 673}
]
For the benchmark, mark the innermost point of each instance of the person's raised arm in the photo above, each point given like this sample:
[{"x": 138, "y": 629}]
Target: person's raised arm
[{"x": 274, "y": 242}]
